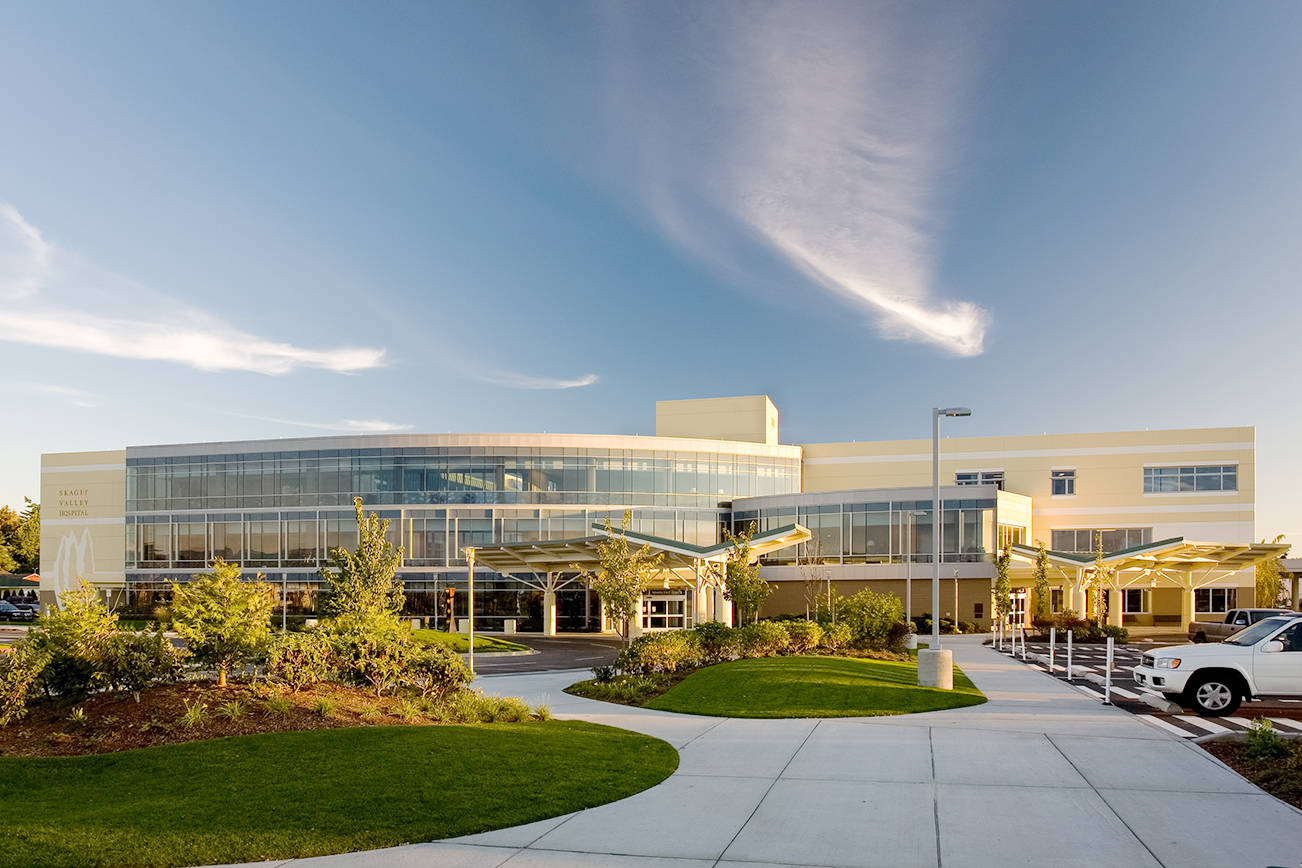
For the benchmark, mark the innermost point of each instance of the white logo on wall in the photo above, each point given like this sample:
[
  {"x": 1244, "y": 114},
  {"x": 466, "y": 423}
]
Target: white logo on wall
[{"x": 74, "y": 561}]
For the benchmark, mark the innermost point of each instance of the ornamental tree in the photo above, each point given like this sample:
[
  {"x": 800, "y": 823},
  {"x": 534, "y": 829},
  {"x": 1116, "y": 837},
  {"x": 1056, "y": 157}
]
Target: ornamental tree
[
  {"x": 624, "y": 573},
  {"x": 741, "y": 580},
  {"x": 1271, "y": 591},
  {"x": 1041, "y": 587},
  {"x": 362, "y": 591},
  {"x": 1003, "y": 589},
  {"x": 222, "y": 619}
]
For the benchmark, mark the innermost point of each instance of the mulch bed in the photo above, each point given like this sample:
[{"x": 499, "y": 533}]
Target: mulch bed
[
  {"x": 116, "y": 721},
  {"x": 1281, "y": 779}
]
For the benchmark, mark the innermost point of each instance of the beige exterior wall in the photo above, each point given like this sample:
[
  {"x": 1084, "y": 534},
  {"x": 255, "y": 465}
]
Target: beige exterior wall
[
  {"x": 1109, "y": 476},
  {"x": 752, "y": 418},
  {"x": 83, "y": 524}
]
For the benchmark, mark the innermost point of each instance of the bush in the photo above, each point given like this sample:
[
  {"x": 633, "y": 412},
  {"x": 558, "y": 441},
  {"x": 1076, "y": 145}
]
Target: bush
[
  {"x": 75, "y": 638},
  {"x": 604, "y": 674},
  {"x": 717, "y": 642},
  {"x": 1263, "y": 743},
  {"x": 20, "y": 676},
  {"x": 836, "y": 636},
  {"x": 871, "y": 615},
  {"x": 897, "y": 636},
  {"x": 660, "y": 652},
  {"x": 1118, "y": 634},
  {"x": 134, "y": 661},
  {"x": 968, "y": 627},
  {"x": 435, "y": 671},
  {"x": 375, "y": 660},
  {"x": 222, "y": 619},
  {"x": 803, "y": 636},
  {"x": 300, "y": 659},
  {"x": 762, "y": 639}
]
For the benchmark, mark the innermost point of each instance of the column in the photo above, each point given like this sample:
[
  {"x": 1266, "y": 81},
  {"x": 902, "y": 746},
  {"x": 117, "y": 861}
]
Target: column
[
  {"x": 635, "y": 623},
  {"x": 549, "y": 609},
  {"x": 1114, "y": 606},
  {"x": 1297, "y": 587},
  {"x": 722, "y": 607},
  {"x": 1186, "y": 603}
]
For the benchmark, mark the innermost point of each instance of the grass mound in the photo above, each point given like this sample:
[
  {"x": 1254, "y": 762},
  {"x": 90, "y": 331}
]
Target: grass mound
[
  {"x": 290, "y": 794},
  {"x": 811, "y": 687}
]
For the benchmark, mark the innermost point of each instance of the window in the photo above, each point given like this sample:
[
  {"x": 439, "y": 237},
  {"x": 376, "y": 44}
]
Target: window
[
  {"x": 1085, "y": 540},
  {"x": 1202, "y": 477},
  {"x": 1055, "y": 600},
  {"x": 1009, "y": 534},
  {"x": 1214, "y": 601},
  {"x": 1063, "y": 481},
  {"x": 978, "y": 611},
  {"x": 980, "y": 477},
  {"x": 1134, "y": 601},
  {"x": 1292, "y": 637}
]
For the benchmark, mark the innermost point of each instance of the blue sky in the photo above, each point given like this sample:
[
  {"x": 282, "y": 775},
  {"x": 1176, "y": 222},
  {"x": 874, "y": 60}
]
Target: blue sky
[{"x": 256, "y": 220}]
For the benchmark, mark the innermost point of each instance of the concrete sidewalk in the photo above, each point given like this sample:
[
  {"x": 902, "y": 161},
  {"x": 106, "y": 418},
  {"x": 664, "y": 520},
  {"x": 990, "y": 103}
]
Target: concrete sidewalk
[{"x": 1039, "y": 775}]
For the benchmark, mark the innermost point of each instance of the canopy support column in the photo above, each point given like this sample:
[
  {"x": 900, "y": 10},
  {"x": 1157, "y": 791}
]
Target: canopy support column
[
  {"x": 549, "y": 606},
  {"x": 1186, "y": 600}
]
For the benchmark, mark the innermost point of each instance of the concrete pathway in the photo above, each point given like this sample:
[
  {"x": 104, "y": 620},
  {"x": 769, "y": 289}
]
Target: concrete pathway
[{"x": 1039, "y": 775}]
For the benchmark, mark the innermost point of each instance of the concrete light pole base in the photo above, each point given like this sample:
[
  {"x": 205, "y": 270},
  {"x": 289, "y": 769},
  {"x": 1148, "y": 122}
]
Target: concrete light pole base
[{"x": 936, "y": 668}]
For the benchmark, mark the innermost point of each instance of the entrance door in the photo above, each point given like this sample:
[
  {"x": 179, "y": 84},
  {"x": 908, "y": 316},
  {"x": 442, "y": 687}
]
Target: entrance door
[
  {"x": 665, "y": 612},
  {"x": 1018, "y": 617}
]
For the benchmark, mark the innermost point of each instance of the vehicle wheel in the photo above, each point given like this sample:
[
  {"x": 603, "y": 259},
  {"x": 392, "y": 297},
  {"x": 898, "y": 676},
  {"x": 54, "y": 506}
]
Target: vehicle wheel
[
  {"x": 1214, "y": 696},
  {"x": 1201, "y": 637}
]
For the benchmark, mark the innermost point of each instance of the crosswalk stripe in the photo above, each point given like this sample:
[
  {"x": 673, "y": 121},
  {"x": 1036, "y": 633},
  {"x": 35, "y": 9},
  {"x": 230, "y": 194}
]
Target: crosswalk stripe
[
  {"x": 1241, "y": 721},
  {"x": 1286, "y": 724},
  {"x": 1121, "y": 691},
  {"x": 1202, "y": 723},
  {"x": 1167, "y": 725},
  {"x": 1090, "y": 690}
]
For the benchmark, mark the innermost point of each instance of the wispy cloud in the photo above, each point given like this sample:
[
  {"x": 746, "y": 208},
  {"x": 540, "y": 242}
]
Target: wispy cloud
[
  {"x": 513, "y": 380},
  {"x": 818, "y": 132},
  {"x": 57, "y": 300},
  {"x": 361, "y": 426},
  {"x": 68, "y": 394}
]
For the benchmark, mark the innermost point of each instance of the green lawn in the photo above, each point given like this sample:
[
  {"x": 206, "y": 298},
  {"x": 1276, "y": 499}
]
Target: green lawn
[
  {"x": 278, "y": 795},
  {"x": 812, "y": 687},
  {"x": 458, "y": 642}
]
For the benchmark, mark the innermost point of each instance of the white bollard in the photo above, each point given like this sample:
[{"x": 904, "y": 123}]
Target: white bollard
[
  {"x": 1107, "y": 676},
  {"x": 1069, "y": 655},
  {"x": 1053, "y": 639},
  {"x": 1022, "y": 630}
]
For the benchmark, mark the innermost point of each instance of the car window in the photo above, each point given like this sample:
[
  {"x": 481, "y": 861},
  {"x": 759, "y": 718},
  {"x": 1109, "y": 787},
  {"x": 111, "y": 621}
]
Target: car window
[
  {"x": 1292, "y": 637},
  {"x": 1258, "y": 631}
]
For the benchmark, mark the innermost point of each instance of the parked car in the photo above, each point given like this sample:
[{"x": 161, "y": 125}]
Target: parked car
[
  {"x": 1234, "y": 621},
  {"x": 10, "y": 612},
  {"x": 1260, "y": 662}
]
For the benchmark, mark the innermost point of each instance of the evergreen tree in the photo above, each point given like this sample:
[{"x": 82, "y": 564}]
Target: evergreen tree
[
  {"x": 1041, "y": 588},
  {"x": 362, "y": 591},
  {"x": 222, "y": 619}
]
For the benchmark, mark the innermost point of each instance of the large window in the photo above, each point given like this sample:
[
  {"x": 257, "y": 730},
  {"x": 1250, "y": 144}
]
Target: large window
[
  {"x": 1203, "y": 477},
  {"x": 1214, "y": 601},
  {"x": 1135, "y": 601},
  {"x": 1062, "y": 481},
  {"x": 979, "y": 477},
  {"x": 1085, "y": 540},
  {"x": 1009, "y": 534}
]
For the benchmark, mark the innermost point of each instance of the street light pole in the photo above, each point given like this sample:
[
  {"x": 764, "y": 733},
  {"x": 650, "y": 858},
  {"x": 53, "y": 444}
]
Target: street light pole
[
  {"x": 935, "y": 666},
  {"x": 470, "y": 611}
]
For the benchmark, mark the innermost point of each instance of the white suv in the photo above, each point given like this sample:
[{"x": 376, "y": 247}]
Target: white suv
[{"x": 1264, "y": 660}]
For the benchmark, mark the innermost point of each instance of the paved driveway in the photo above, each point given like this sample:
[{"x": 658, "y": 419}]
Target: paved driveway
[{"x": 1040, "y": 775}]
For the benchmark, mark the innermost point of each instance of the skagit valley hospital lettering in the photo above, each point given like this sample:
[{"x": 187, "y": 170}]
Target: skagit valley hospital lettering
[{"x": 72, "y": 502}]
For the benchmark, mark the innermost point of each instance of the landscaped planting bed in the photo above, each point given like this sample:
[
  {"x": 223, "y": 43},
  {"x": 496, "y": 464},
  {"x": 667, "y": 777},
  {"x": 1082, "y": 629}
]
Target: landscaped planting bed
[
  {"x": 290, "y": 794},
  {"x": 1267, "y": 759}
]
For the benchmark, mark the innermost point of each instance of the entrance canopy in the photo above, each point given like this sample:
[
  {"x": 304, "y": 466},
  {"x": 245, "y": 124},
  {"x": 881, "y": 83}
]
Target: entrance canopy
[
  {"x": 559, "y": 556},
  {"x": 1174, "y": 555}
]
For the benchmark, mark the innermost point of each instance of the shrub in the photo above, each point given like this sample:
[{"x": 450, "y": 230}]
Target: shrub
[
  {"x": 323, "y": 707},
  {"x": 717, "y": 642},
  {"x": 836, "y": 636},
  {"x": 20, "y": 675},
  {"x": 299, "y": 659},
  {"x": 376, "y": 660},
  {"x": 134, "y": 661},
  {"x": 542, "y": 712},
  {"x": 803, "y": 636},
  {"x": 661, "y": 652},
  {"x": 75, "y": 638},
  {"x": 508, "y": 709},
  {"x": 604, "y": 674},
  {"x": 77, "y": 717},
  {"x": 897, "y": 636},
  {"x": 871, "y": 615},
  {"x": 232, "y": 710},
  {"x": 762, "y": 639},
  {"x": 1263, "y": 743},
  {"x": 277, "y": 705},
  {"x": 1118, "y": 634},
  {"x": 435, "y": 671},
  {"x": 194, "y": 712},
  {"x": 408, "y": 710}
]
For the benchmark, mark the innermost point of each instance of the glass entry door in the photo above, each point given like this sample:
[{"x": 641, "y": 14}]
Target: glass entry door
[{"x": 665, "y": 612}]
